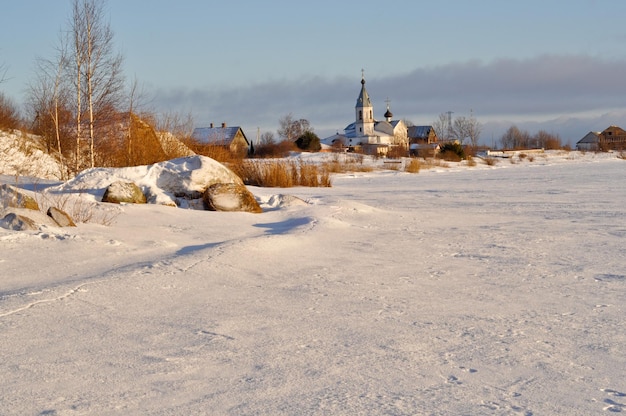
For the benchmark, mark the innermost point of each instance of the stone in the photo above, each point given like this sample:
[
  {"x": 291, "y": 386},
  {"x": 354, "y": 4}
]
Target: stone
[
  {"x": 124, "y": 192},
  {"x": 16, "y": 222},
  {"x": 60, "y": 217},
  {"x": 230, "y": 197},
  {"x": 13, "y": 197}
]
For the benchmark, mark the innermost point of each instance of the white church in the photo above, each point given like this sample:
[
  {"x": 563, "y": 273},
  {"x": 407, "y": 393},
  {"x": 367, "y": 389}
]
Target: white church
[{"x": 367, "y": 134}]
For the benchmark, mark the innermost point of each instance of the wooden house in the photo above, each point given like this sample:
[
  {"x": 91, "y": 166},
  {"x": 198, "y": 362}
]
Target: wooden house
[
  {"x": 231, "y": 138},
  {"x": 611, "y": 138},
  {"x": 422, "y": 135}
]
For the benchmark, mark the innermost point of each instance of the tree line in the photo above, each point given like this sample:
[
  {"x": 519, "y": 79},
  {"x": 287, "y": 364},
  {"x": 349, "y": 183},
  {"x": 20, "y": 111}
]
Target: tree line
[{"x": 79, "y": 102}]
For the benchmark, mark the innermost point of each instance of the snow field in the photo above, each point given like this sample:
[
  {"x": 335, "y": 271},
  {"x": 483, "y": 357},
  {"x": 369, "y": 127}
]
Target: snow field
[{"x": 454, "y": 291}]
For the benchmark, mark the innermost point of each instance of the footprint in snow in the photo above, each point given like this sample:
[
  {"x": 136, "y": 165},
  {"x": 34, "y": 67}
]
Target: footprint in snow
[
  {"x": 614, "y": 406},
  {"x": 453, "y": 380}
]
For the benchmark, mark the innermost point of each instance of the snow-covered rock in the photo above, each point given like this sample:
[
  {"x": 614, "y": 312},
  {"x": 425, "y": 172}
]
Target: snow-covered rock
[
  {"x": 11, "y": 196},
  {"x": 124, "y": 192},
  {"x": 230, "y": 197},
  {"x": 60, "y": 217},
  {"x": 177, "y": 182}
]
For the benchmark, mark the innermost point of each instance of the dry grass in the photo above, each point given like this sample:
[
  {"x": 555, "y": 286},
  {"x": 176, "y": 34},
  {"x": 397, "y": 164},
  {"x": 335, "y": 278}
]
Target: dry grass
[
  {"x": 346, "y": 166},
  {"x": 282, "y": 173},
  {"x": 413, "y": 166},
  {"x": 392, "y": 164},
  {"x": 434, "y": 163},
  {"x": 78, "y": 208},
  {"x": 490, "y": 161}
]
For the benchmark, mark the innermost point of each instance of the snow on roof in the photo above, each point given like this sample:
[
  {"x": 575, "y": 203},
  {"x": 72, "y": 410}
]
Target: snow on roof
[{"x": 216, "y": 135}]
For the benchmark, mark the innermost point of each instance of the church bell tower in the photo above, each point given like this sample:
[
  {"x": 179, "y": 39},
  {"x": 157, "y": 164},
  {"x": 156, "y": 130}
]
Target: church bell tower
[{"x": 364, "y": 110}]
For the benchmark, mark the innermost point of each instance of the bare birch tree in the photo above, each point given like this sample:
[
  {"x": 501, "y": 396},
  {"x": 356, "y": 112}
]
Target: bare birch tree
[
  {"x": 442, "y": 127},
  {"x": 466, "y": 128},
  {"x": 290, "y": 128},
  {"x": 97, "y": 69},
  {"x": 3, "y": 72},
  {"x": 136, "y": 99},
  {"x": 49, "y": 101}
]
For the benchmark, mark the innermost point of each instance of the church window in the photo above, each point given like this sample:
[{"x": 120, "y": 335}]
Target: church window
[{"x": 360, "y": 115}]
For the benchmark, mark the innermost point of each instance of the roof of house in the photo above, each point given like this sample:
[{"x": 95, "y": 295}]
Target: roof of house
[
  {"x": 613, "y": 130},
  {"x": 591, "y": 137},
  {"x": 217, "y": 135},
  {"x": 419, "y": 131}
]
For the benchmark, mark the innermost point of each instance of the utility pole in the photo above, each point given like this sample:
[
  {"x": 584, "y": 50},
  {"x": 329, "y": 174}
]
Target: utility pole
[{"x": 449, "y": 127}]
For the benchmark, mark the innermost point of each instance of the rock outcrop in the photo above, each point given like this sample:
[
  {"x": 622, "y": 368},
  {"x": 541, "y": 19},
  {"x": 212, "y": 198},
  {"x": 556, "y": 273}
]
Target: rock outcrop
[
  {"x": 230, "y": 197},
  {"x": 17, "y": 222},
  {"x": 13, "y": 197},
  {"x": 60, "y": 217},
  {"x": 124, "y": 192}
]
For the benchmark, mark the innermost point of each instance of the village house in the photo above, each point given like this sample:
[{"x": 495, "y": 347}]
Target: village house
[
  {"x": 367, "y": 134},
  {"x": 231, "y": 138},
  {"x": 612, "y": 138},
  {"x": 423, "y": 141}
]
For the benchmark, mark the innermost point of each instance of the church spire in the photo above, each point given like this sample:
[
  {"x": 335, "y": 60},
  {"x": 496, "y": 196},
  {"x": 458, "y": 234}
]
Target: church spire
[
  {"x": 364, "y": 111},
  {"x": 364, "y": 99}
]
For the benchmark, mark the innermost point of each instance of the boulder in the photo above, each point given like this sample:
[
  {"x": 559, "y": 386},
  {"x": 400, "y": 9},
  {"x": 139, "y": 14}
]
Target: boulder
[
  {"x": 177, "y": 182},
  {"x": 16, "y": 222},
  {"x": 11, "y": 196},
  {"x": 184, "y": 180},
  {"x": 230, "y": 197},
  {"x": 127, "y": 192},
  {"x": 60, "y": 217},
  {"x": 22, "y": 219}
]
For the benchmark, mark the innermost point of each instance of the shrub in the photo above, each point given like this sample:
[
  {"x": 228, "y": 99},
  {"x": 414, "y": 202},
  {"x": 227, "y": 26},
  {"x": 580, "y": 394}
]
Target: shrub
[
  {"x": 9, "y": 114},
  {"x": 413, "y": 166},
  {"x": 397, "y": 151},
  {"x": 452, "y": 152},
  {"x": 78, "y": 208},
  {"x": 271, "y": 149},
  {"x": 309, "y": 142},
  {"x": 490, "y": 161}
]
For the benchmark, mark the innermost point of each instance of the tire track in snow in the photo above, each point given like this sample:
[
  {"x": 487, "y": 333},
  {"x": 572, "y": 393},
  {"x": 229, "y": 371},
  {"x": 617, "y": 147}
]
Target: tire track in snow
[
  {"x": 41, "y": 301},
  {"x": 171, "y": 261}
]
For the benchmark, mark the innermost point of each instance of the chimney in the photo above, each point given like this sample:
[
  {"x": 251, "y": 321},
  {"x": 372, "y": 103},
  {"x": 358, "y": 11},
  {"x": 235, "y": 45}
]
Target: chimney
[
  {"x": 211, "y": 125},
  {"x": 223, "y": 125}
]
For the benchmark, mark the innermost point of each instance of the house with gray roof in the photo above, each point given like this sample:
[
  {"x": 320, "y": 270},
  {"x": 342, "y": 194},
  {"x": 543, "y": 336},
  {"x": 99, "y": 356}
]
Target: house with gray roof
[
  {"x": 589, "y": 142},
  {"x": 613, "y": 137},
  {"x": 232, "y": 138}
]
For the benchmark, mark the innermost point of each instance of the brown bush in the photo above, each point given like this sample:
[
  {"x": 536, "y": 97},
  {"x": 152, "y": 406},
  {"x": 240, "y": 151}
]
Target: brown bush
[
  {"x": 9, "y": 114},
  {"x": 413, "y": 166},
  {"x": 271, "y": 149},
  {"x": 490, "y": 161},
  {"x": 281, "y": 173}
]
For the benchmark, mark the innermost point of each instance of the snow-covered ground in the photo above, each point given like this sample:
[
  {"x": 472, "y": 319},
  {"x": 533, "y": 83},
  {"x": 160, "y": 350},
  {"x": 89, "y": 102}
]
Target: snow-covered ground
[{"x": 455, "y": 291}]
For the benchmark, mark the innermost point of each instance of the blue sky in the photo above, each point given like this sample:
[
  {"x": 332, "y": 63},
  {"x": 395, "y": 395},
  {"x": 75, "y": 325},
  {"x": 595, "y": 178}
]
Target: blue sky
[{"x": 249, "y": 63}]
